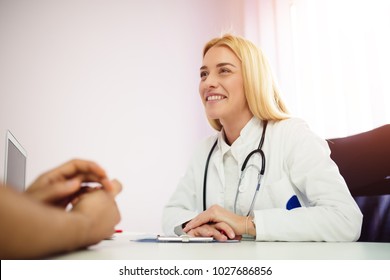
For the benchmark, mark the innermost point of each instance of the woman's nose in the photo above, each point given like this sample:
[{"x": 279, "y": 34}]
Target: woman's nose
[{"x": 211, "y": 81}]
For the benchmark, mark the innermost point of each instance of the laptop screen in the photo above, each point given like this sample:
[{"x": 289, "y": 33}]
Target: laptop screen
[{"x": 15, "y": 163}]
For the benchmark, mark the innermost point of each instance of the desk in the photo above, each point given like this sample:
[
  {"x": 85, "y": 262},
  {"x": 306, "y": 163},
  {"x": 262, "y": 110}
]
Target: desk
[{"x": 121, "y": 248}]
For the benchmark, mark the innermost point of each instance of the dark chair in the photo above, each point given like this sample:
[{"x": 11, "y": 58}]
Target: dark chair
[{"x": 364, "y": 162}]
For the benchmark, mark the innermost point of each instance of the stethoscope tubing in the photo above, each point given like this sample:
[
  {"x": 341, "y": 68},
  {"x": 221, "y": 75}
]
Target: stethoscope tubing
[{"x": 243, "y": 170}]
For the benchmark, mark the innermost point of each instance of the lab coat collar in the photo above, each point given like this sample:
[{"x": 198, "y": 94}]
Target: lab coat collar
[
  {"x": 249, "y": 134},
  {"x": 250, "y": 130}
]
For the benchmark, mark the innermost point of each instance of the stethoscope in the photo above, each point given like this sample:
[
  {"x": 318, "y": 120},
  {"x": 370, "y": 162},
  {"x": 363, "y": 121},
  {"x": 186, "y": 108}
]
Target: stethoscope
[{"x": 244, "y": 169}]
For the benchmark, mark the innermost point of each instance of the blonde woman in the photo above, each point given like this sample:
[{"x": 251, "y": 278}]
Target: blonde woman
[{"x": 265, "y": 173}]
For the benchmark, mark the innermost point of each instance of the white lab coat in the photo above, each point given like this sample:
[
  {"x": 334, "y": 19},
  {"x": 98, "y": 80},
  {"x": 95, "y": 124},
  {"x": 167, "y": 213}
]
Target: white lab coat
[{"x": 302, "y": 197}]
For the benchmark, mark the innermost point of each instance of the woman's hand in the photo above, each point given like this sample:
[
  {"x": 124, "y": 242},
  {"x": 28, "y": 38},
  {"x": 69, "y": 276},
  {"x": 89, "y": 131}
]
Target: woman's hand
[
  {"x": 219, "y": 231},
  {"x": 220, "y": 219}
]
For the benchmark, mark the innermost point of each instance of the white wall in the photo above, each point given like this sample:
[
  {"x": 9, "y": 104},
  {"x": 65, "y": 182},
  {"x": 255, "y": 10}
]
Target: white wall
[{"x": 111, "y": 81}]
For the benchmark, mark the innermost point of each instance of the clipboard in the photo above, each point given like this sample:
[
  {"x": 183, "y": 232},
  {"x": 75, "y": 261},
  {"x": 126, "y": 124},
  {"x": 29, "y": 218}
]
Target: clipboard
[
  {"x": 181, "y": 239},
  {"x": 184, "y": 239}
]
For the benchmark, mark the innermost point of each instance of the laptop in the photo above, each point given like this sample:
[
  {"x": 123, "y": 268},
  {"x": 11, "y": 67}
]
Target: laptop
[{"x": 15, "y": 163}]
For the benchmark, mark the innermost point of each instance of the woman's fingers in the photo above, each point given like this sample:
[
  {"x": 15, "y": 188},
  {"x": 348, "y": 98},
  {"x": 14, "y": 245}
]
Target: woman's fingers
[{"x": 219, "y": 231}]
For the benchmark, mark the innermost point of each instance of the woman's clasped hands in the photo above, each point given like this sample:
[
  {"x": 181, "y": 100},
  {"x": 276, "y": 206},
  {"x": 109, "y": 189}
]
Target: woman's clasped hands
[{"x": 219, "y": 223}]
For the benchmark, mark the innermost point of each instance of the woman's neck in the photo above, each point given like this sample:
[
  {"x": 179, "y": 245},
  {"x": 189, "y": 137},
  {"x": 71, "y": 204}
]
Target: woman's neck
[{"x": 233, "y": 129}]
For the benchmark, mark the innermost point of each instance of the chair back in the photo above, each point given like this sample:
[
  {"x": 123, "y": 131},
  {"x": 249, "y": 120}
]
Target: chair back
[{"x": 364, "y": 162}]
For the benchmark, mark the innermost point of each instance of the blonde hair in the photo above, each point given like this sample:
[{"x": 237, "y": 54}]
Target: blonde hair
[{"x": 260, "y": 89}]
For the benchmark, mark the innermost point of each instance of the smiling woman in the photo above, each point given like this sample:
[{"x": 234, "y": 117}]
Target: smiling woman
[
  {"x": 268, "y": 175},
  {"x": 222, "y": 90}
]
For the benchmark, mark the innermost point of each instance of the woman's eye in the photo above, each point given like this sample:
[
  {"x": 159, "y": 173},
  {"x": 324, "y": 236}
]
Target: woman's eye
[
  {"x": 224, "y": 70},
  {"x": 203, "y": 74}
]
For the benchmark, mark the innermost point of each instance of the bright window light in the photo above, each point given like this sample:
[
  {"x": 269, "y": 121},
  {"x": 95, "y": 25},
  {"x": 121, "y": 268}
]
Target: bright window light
[{"x": 340, "y": 57}]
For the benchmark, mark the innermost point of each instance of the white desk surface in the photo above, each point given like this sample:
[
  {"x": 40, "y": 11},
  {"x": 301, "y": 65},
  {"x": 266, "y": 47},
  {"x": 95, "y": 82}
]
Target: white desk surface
[{"x": 122, "y": 248}]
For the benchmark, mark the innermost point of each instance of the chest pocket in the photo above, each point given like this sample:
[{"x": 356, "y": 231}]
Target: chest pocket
[{"x": 282, "y": 194}]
